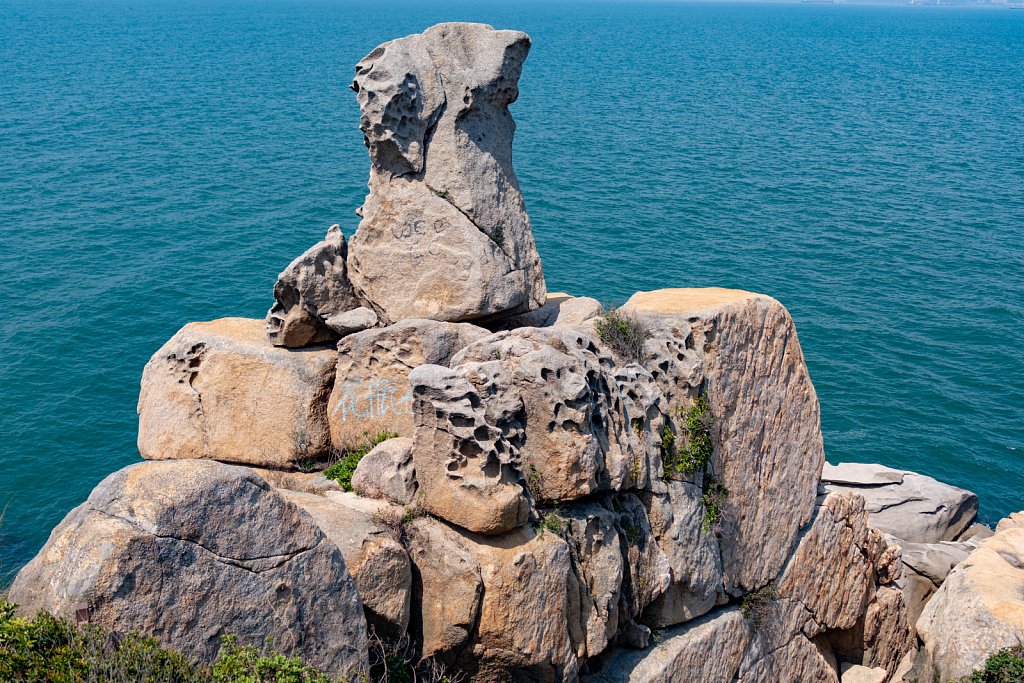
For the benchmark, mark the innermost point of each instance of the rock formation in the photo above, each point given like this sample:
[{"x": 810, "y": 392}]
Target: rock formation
[{"x": 541, "y": 504}]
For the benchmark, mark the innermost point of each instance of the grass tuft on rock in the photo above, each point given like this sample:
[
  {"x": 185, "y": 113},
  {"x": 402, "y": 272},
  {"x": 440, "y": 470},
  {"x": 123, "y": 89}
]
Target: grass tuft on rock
[
  {"x": 692, "y": 450},
  {"x": 623, "y": 333},
  {"x": 342, "y": 470},
  {"x": 755, "y": 604}
]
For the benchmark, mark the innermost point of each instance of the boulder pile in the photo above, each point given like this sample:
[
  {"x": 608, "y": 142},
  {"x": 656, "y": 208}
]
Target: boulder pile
[{"x": 555, "y": 492}]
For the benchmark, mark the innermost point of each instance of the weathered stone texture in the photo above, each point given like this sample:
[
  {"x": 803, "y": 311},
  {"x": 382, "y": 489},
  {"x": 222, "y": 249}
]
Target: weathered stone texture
[
  {"x": 444, "y": 234},
  {"x": 387, "y": 472},
  {"x": 742, "y": 349},
  {"x": 220, "y": 390},
  {"x": 313, "y": 288},
  {"x": 186, "y": 551},
  {"x": 371, "y": 391}
]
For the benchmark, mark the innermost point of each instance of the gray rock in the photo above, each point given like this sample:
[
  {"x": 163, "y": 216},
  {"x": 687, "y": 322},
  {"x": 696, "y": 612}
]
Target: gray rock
[
  {"x": 188, "y": 550},
  {"x": 935, "y": 560},
  {"x": 356, "y": 320},
  {"x": 371, "y": 392},
  {"x": 312, "y": 288},
  {"x": 978, "y": 610},
  {"x": 860, "y": 474},
  {"x": 387, "y": 472},
  {"x": 368, "y": 533},
  {"x": 464, "y": 464},
  {"x": 444, "y": 234},
  {"x": 918, "y": 509}
]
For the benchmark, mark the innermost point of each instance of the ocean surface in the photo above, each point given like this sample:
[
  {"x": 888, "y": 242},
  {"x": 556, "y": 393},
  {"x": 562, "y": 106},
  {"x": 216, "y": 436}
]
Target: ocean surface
[{"x": 161, "y": 162}]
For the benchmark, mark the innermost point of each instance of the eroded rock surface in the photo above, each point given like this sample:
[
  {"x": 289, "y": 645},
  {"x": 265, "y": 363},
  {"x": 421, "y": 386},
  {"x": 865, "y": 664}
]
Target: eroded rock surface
[
  {"x": 189, "y": 550},
  {"x": 310, "y": 290},
  {"x": 220, "y": 390},
  {"x": 444, "y": 234},
  {"x": 387, "y": 472},
  {"x": 742, "y": 350},
  {"x": 371, "y": 393}
]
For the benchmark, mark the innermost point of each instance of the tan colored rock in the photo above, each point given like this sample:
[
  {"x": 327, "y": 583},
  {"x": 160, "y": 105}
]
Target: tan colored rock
[
  {"x": 548, "y": 391},
  {"x": 387, "y": 472},
  {"x": 830, "y": 573},
  {"x": 444, "y": 233},
  {"x": 464, "y": 465},
  {"x": 742, "y": 347},
  {"x": 709, "y": 650},
  {"x": 451, "y": 587},
  {"x": 371, "y": 392},
  {"x": 220, "y": 390},
  {"x": 313, "y": 288},
  {"x": 978, "y": 610},
  {"x": 373, "y": 552},
  {"x": 188, "y": 550},
  {"x": 887, "y": 634},
  {"x": 855, "y": 673}
]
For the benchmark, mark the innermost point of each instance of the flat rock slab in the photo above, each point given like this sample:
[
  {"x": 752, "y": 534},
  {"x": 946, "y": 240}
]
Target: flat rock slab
[
  {"x": 221, "y": 390},
  {"x": 861, "y": 474},
  {"x": 918, "y": 509}
]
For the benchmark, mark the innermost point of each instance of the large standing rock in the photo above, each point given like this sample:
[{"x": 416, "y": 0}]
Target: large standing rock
[
  {"x": 464, "y": 465},
  {"x": 979, "y": 609},
  {"x": 444, "y": 233},
  {"x": 907, "y": 505},
  {"x": 220, "y": 390},
  {"x": 371, "y": 392},
  {"x": 310, "y": 290},
  {"x": 548, "y": 391},
  {"x": 187, "y": 551},
  {"x": 742, "y": 349}
]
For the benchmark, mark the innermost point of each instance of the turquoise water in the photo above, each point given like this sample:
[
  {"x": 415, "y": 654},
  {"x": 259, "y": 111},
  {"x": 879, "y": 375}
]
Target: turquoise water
[{"x": 161, "y": 161}]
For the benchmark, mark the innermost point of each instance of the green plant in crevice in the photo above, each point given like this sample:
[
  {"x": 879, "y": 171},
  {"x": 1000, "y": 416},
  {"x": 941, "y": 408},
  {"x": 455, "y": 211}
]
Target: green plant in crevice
[
  {"x": 755, "y": 604},
  {"x": 698, "y": 446},
  {"x": 533, "y": 482},
  {"x": 623, "y": 333},
  {"x": 342, "y": 470},
  {"x": 713, "y": 498}
]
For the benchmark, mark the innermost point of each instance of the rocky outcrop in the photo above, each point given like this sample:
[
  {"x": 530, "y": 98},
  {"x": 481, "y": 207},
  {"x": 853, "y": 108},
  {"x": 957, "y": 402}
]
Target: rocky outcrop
[
  {"x": 558, "y": 309},
  {"x": 741, "y": 349},
  {"x": 309, "y": 291},
  {"x": 371, "y": 392},
  {"x": 444, "y": 231},
  {"x": 189, "y": 550},
  {"x": 220, "y": 390},
  {"x": 907, "y": 505},
  {"x": 978, "y": 610}
]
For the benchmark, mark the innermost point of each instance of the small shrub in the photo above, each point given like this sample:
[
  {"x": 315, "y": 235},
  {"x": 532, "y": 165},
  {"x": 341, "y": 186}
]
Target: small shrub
[
  {"x": 1005, "y": 666},
  {"x": 342, "y": 470},
  {"x": 246, "y": 664},
  {"x": 533, "y": 482},
  {"x": 550, "y": 522},
  {"x": 697, "y": 447},
  {"x": 713, "y": 498},
  {"x": 756, "y": 603},
  {"x": 624, "y": 334}
]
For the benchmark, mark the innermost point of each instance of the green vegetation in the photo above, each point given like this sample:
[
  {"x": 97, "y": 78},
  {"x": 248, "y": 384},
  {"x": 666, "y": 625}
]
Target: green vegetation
[
  {"x": 549, "y": 522},
  {"x": 342, "y": 470},
  {"x": 713, "y": 498},
  {"x": 443, "y": 194},
  {"x": 533, "y": 482},
  {"x": 1005, "y": 666},
  {"x": 47, "y": 649},
  {"x": 755, "y": 604},
  {"x": 623, "y": 333},
  {"x": 698, "y": 446}
]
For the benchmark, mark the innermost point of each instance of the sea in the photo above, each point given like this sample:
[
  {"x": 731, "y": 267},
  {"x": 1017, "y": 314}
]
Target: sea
[{"x": 162, "y": 160}]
